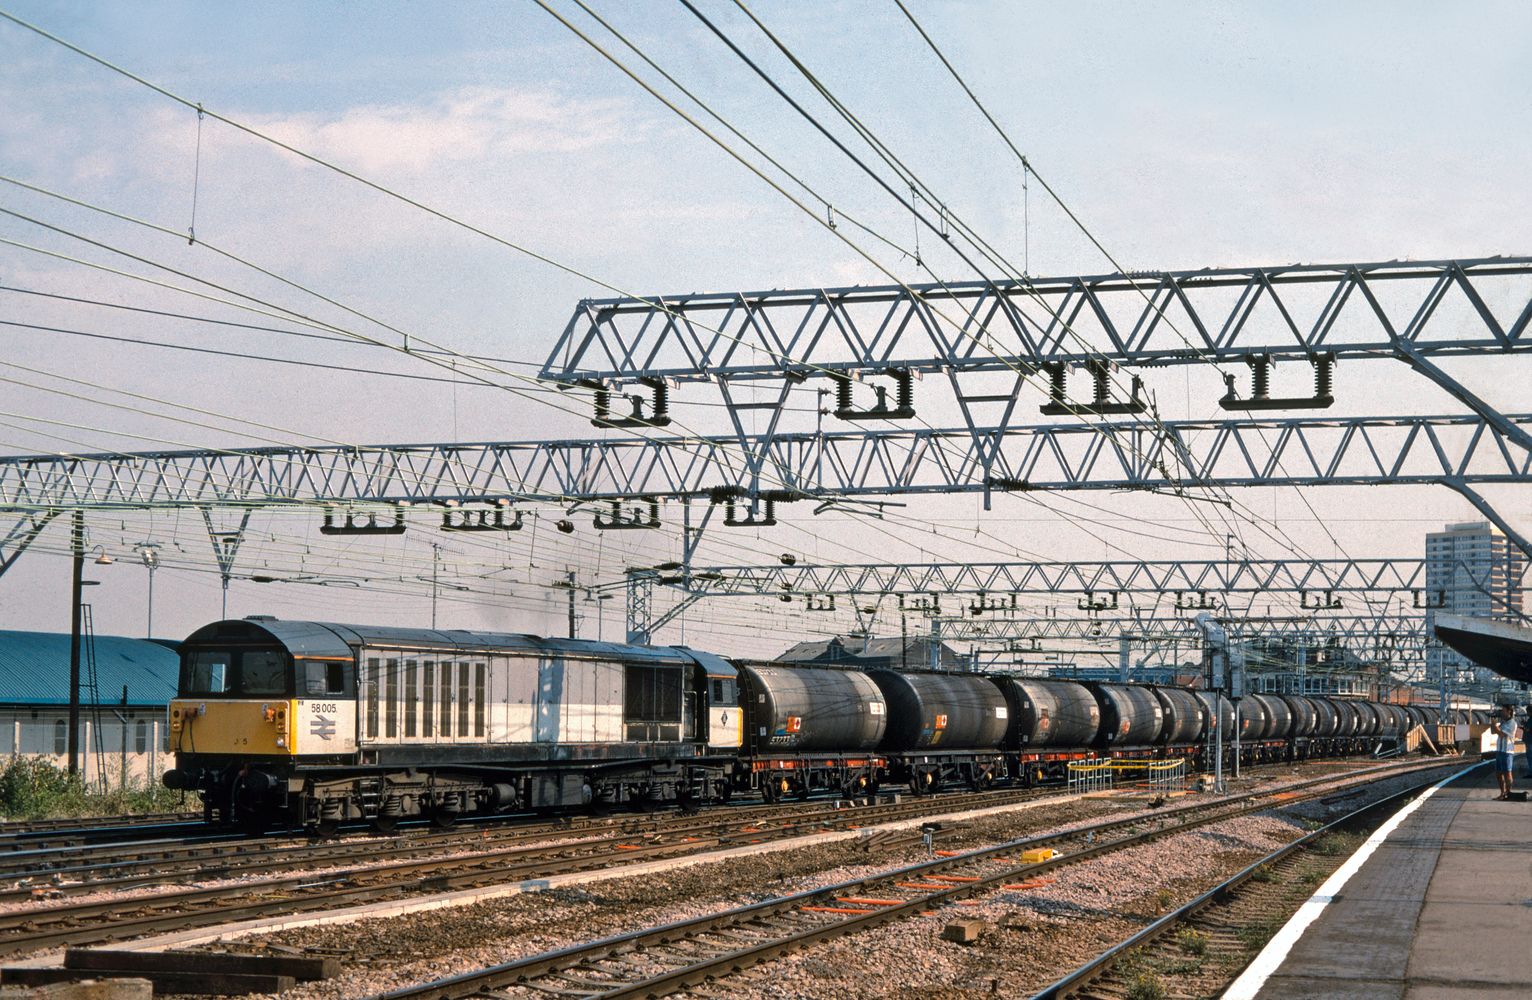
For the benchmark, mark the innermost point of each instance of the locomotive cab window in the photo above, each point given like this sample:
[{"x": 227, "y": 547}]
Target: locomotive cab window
[
  {"x": 251, "y": 673},
  {"x": 324, "y": 678},
  {"x": 206, "y": 673},
  {"x": 723, "y": 692},
  {"x": 262, "y": 672}
]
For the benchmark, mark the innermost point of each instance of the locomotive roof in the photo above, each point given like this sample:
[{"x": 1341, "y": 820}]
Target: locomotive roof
[{"x": 328, "y": 639}]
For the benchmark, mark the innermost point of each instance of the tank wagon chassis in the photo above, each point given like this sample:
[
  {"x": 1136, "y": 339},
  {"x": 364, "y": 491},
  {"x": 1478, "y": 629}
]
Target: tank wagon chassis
[{"x": 313, "y": 725}]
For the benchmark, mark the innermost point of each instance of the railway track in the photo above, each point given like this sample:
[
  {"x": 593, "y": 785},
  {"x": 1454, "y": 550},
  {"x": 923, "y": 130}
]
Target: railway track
[
  {"x": 690, "y": 953},
  {"x": 32, "y": 826},
  {"x": 63, "y": 837},
  {"x": 1198, "y": 949},
  {"x": 406, "y": 874},
  {"x": 116, "y": 867},
  {"x": 71, "y": 870}
]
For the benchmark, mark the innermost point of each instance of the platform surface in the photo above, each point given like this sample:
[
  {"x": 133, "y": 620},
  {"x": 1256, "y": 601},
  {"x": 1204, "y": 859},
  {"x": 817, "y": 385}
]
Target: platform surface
[{"x": 1442, "y": 908}]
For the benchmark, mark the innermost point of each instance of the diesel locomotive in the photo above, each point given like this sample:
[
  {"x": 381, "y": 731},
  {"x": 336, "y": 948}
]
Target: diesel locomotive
[{"x": 308, "y": 724}]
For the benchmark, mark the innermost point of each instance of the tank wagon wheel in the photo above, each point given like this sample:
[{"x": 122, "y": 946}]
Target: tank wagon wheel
[
  {"x": 441, "y": 819},
  {"x": 326, "y": 829},
  {"x": 384, "y": 824},
  {"x": 924, "y": 782}
]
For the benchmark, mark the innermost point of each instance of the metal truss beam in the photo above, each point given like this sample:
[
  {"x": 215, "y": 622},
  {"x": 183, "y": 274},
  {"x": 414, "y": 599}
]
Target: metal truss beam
[
  {"x": 1173, "y": 455},
  {"x": 1380, "y": 630},
  {"x": 1317, "y": 578},
  {"x": 1353, "y": 310},
  {"x": 21, "y": 535}
]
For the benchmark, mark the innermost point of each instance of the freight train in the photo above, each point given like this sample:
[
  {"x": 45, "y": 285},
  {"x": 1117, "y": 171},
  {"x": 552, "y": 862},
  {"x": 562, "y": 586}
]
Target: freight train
[{"x": 307, "y": 724}]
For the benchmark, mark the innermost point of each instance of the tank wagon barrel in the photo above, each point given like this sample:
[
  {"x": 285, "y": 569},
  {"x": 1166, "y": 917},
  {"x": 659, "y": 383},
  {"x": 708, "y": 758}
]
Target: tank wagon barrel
[
  {"x": 1131, "y": 716},
  {"x": 811, "y": 710},
  {"x": 809, "y": 729},
  {"x": 1184, "y": 714},
  {"x": 1304, "y": 714},
  {"x": 1049, "y": 713}
]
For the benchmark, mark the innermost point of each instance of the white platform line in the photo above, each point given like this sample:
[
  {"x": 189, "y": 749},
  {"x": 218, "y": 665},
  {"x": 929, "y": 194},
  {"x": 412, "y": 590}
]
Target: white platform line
[{"x": 1275, "y": 953}]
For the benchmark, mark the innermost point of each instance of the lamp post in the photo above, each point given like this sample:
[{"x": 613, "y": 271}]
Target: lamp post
[{"x": 149, "y": 552}]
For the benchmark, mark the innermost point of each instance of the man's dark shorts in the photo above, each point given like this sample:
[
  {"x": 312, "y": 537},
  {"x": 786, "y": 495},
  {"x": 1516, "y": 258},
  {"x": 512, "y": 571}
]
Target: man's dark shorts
[{"x": 1503, "y": 762}]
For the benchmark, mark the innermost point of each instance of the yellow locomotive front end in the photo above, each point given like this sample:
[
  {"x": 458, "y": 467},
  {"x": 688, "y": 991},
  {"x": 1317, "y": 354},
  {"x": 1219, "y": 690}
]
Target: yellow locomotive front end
[
  {"x": 244, "y": 726},
  {"x": 258, "y": 703}
]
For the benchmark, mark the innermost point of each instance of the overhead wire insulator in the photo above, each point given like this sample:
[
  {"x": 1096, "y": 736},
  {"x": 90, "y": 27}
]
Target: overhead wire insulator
[
  {"x": 1260, "y": 377},
  {"x": 842, "y": 396},
  {"x": 369, "y": 527},
  {"x": 766, "y": 519},
  {"x": 904, "y": 398},
  {"x": 1324, "y": 370},
  {"x": 483, "y": 522},
  {"x": 638, "y": 520},
  {"x": 1101, "y": 404},
  {"x": 1260, "y": 387},
  {"x": 658, "y": 404}
]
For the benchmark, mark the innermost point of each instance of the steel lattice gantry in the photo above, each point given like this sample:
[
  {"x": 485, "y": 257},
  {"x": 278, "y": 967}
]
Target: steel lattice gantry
[
  {"x": 983, "y": 590},
  {"x": 1382, "y": 627},
  {"x": 1177, "y": 576},
  {"x": 1413, "y": 312},
  {"x": 1458, "y": 451},
  {"x": 1144, "y": 318},
  {"x": 1398, "y": 637}
]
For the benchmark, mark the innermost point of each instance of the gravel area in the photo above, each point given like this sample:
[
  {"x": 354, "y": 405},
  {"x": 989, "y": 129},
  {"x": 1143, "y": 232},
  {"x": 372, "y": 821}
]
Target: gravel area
[
  {"x": 1035, "y": 931},
  {"x": 1037, "y": 936}
]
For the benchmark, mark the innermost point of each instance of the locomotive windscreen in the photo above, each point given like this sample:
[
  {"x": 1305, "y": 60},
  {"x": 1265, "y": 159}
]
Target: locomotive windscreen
[{"x": 251, "y": 672}]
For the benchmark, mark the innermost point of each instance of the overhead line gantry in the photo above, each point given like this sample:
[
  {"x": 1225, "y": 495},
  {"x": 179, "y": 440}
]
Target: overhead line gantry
[{"x": 1149, "y": 318}]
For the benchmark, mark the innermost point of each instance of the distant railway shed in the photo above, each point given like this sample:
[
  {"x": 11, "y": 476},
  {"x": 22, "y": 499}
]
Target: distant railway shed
[{"x": 123, "y": 729}]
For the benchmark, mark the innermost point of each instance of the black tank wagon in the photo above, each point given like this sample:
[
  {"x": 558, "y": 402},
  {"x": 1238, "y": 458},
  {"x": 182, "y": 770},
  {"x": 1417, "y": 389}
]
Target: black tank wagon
[
  {"x": 943, "y": 728},
  {"x": 809, "y": 729}
]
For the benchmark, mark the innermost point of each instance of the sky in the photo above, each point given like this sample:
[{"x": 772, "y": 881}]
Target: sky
[{"x": 1183, "y": 135}]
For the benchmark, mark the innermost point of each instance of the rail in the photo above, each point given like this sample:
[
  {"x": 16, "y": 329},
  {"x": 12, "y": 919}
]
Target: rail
[{"x": 1221, "y": 893}]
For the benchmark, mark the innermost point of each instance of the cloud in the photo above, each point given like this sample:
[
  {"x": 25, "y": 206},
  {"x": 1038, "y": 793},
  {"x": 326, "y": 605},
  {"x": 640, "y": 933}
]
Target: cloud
[{"x": 462, "y": 126}]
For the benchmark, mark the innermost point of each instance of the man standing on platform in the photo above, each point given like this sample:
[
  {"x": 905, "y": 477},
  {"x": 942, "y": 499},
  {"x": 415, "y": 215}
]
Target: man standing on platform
[{"x": 1505, "y": 746}]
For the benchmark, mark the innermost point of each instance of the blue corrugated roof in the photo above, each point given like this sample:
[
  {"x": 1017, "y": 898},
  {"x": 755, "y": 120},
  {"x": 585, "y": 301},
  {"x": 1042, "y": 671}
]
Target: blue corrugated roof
[{"x": 34, "y": 669}]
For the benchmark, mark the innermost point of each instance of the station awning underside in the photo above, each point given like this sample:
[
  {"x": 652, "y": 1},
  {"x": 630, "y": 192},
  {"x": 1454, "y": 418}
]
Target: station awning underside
[{"x": 1495, "y": 645}]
